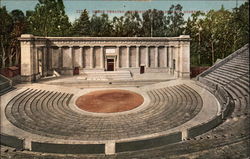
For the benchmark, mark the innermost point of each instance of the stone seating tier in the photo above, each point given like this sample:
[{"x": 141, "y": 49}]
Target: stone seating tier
[
  {"x": 233, "y": 76},
  {"x": 48, "y": 114}
]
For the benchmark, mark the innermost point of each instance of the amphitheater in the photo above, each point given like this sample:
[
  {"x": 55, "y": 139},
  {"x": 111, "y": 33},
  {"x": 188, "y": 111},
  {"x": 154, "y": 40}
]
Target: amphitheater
[{"x": 169, "y": 117}]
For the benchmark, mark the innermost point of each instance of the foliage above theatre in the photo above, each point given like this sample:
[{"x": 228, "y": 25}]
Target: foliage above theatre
[
  {"x": 214, "y": 34},
  {"x": 49, "y": 19},
  {"x": 12, "y": 25}
]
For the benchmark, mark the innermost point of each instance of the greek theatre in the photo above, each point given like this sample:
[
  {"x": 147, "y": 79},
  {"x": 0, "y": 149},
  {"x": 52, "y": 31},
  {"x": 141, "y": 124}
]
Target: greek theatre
[{"x": 43, "y": 56}]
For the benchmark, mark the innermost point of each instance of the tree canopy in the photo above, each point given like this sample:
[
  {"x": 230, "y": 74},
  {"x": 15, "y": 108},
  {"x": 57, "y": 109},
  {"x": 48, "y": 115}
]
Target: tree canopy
[
  {"x": 49, "y": 19},
  {"x": 214, "y": 34},
  {"x": 81, "y": 26}
]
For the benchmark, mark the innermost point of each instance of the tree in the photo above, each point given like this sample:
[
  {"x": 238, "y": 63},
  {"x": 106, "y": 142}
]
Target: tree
[
  {"x": 132, "y": 24},
  {"x": 194, "y": 28},
  {"x": 220, "y": 37},
  {"x": 49, "y": 19},
  {"x": 154, "y": 23},
  {"x": 217, "y": 34},
  {"x": 240, "y": 25},
  {"x": 101, "y": 26},
  {"x": 6, "y": 26},
  {"x": 118, "y": 26},
  {"x": 175, "y": 21},
  {"x": 12, "y": 25},
  {"x": 81, "y": 26},
  {"x": 19, "y": 27}
]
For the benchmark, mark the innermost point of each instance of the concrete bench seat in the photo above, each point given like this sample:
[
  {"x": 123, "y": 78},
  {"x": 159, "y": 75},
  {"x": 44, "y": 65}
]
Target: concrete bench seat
[
  {"x": 234, "y": 68},
  {"x": 48, "y": 113}
]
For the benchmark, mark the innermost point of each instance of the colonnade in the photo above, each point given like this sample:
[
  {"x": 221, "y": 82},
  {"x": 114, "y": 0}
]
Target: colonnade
[
  {"x": 167, "y": 59},
  {"x": 38, "y": 55}
]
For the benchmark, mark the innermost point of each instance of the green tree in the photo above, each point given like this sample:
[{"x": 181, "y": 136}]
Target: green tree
[
  {"x": 194, "y": 28},
  {"x": 81, "y": 26},
  {"x": 153, "y": 23},
  {"x": 118, "y": 26},
  {"x": 12, "y": 25},
  {"x": 240, "y": 25},
  {"x": 217, "y": 34},
  {"x": 175, "y": 21},
  {"x": 19, "y": 27},
  {"x": 132, "y": 24},
  {"x": 6, "y": 26},
  {"x": 49, "y": 19},
  {"x": 101, "y": 26}
]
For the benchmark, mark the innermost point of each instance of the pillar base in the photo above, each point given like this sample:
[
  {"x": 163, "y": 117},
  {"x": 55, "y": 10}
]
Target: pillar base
[
  {"x": 171, "y": 71},
  {"x": 110, "y": 148},
  {"x": 176, "y": 74},
  {"x": 185, "y": 75},
  {"x": 67, "y": 71},
  {"x": 30, "y": 78}
]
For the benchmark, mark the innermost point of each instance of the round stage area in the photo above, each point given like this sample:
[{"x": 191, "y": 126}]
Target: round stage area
[{"x": 109, "y": 101}]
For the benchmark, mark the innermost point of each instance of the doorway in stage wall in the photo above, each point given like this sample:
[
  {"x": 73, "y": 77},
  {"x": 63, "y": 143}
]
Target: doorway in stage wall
[
  {"x": 142, "y": 69},
  {"x": 110, "y": 64}
]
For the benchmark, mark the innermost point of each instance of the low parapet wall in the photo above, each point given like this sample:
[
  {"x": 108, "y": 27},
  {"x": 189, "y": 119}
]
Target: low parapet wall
[
  {"x": 12, "y": 141},
  {"x": 204, "y": 127},
  {"x": 148, "y": 143},
  {"x": 68, "y": 148},
  {"x": 222, "y": 95}
]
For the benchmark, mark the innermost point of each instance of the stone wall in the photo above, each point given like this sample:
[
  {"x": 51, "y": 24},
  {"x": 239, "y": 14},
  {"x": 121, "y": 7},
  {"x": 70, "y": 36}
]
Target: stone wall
[
  {"x": 41, "y": 56},
  {"x": 148, "y": 143},
  {"x": 11, "y": 141},
  {"x": 68, "y": 148}
]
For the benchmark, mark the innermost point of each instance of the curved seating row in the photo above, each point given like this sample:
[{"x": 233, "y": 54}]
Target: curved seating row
[
  {"x": 233, "y": 77},
  {"x": 168, "y": 108},
  {"x": 49, "y": 114},
  {"x": 229, "y": 82}
]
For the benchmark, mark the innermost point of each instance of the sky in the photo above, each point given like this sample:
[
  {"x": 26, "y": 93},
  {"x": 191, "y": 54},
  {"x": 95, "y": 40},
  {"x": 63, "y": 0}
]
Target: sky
[{"x": 113, "y": 8}]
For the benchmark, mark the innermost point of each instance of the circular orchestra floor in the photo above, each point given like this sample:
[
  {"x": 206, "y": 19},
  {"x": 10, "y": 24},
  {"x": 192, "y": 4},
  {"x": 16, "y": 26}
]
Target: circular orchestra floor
[{"x": 109, "y": 101}]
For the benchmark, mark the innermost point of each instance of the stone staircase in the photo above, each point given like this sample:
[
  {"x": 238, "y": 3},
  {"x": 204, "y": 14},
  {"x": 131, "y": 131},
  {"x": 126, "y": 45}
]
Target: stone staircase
[{"x": 109, "y": 75}]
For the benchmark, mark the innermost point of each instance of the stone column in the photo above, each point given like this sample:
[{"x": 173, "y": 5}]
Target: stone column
[
  {"x": 36, "y": 62},
  {"x": 177, "y": 60},
  {"x": 165, "y": 56},
  {"x": 128, "y": 62},
  {"x": 168, "y": 56},
  {"x": 184, "y": 66},
  {"x": 171, "y": 48},
  {"x": 27, "y": 58},
  {"x": 49, "y": 61},
  {"x": 91, "y": 58},
  {"x": 147, "y": 57},
  {"x": 118, "y": 56},
  {"x": 102, "y": 58},
  {"x": 137, "y": 56},
  {"x": 72, "y": 56},
  {"x": 39, "y": 60},
  {"x": 82, "y": 53},
  {"x": 44, "y": 61},
  {"x": 50, "y": 52},
  {"x": 156, "y": 56},
  {"x": 60, "y": 57}
]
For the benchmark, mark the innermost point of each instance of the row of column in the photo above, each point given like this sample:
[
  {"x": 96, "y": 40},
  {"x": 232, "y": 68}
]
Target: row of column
[{"x": 168, "y": 56}]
